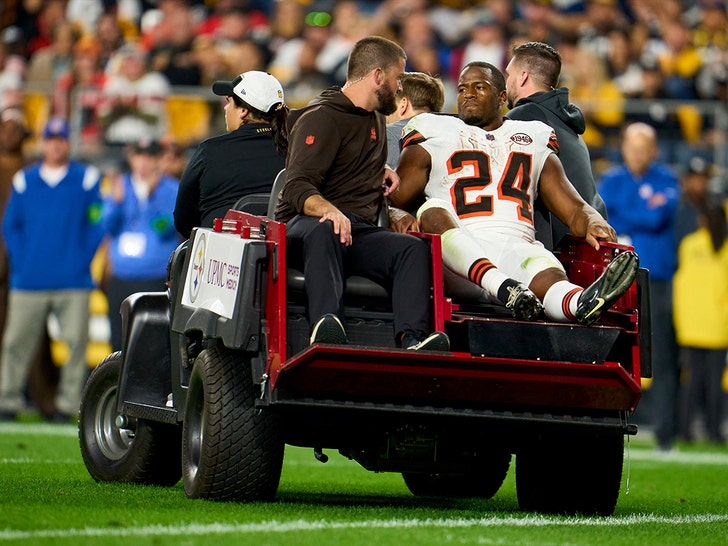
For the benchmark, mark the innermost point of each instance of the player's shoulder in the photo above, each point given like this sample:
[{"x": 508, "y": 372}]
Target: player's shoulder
[
  {"x": 528, "y": 126},
  {"x": 430, "y": 124},
  {"x": 528, "y": 132}
]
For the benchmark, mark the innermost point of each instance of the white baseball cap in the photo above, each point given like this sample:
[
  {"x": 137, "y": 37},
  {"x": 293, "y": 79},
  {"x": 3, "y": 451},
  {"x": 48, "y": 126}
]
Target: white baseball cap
[{"x": 258, "y": 89}]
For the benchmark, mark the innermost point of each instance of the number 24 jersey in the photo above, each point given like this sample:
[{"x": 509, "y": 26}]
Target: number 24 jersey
[{"x": 489, "y": 177}]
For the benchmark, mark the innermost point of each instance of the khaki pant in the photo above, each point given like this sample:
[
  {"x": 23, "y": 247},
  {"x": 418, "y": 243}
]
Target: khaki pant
[{"x": 27, "y": 317}]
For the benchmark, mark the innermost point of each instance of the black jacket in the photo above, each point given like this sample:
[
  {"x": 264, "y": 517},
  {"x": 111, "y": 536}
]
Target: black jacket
[
  {"x": 223, "y": 169},
  {"x": 554, "y": 109}
]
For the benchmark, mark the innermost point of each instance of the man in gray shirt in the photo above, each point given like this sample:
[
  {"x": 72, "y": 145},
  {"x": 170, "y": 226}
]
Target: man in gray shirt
[{"x": 419, "y": 93}]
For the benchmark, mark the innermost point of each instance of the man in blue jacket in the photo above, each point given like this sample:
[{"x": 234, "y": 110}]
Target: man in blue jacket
[
  {"x": 138, "y": 217},
  {"x": 52, "y": 230},
  {"x": 642, "y": 197}
]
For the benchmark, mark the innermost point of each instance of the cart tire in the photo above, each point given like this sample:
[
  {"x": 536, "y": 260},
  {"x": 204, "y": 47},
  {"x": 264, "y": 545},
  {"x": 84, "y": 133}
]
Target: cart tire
[
  {"x": 145, "y": 452},
  {"x": 231, "y": 451},
  {"x": 571, "y": 475}
]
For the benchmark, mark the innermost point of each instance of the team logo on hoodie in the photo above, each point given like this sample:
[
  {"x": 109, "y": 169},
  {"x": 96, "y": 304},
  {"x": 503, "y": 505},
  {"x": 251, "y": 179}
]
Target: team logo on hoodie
[{"x": 310, "y": 139}]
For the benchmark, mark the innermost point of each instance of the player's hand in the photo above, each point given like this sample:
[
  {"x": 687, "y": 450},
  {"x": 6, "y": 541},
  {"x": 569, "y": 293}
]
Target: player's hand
[
  {"x": 390, "y": 182},
  {"x": 341, "y": 224},
  {"x": 401, "y": 221},
  {"x": 597, "y": 230}
]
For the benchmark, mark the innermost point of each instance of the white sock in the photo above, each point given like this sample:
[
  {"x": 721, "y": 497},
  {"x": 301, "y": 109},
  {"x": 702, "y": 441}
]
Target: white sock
[
  {"x": 462, "y": 253},
  {"x": 561, "y": 301}
]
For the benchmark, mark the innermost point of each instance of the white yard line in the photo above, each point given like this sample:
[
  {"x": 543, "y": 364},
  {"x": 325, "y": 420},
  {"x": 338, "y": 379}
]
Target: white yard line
[{"x": 300, "y": 525}]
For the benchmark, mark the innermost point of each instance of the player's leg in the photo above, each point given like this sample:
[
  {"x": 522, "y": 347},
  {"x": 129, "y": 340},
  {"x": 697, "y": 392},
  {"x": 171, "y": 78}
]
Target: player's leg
[{"x": 464, "y": 255}]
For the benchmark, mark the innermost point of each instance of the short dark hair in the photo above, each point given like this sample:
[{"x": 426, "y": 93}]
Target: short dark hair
[
  {"x": 499, "y": 81},
  {"x": 540, "y": 59},
  {"x": 370, "y": 53},
  {"x": 425, "y": 92}
]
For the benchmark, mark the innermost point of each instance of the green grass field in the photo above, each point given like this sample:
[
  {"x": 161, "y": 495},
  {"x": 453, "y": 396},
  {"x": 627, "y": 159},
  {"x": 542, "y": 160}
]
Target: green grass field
[{"x": 48, "y": 498}]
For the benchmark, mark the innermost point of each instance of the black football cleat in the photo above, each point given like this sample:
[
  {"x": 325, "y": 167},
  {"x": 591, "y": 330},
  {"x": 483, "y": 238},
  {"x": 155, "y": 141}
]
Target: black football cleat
[
  {"x": 608, "y": 288},
  {"x": 522, "y": 303}
]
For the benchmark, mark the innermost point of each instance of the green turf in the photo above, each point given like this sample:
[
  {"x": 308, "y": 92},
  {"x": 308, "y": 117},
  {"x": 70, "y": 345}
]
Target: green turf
[{"x": 48, "y": 498}]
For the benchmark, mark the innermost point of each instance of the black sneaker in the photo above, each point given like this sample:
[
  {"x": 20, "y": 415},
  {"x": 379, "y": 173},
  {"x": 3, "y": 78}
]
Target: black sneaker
[
  {"x": 608, "y": 288},
  {"x": 436, "y": 341},
  {"x": 59, "y": 417},
  {"x": 8, "y": 416},
  {"x": 522, "y": 303},
  {"x": 328, "y": 329}
]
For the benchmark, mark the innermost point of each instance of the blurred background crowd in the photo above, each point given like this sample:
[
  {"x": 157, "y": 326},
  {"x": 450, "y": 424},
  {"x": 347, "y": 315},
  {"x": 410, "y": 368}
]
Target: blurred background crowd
[
  {"x": 126, "y": 71},
  {"x": 121, "y": 68}
]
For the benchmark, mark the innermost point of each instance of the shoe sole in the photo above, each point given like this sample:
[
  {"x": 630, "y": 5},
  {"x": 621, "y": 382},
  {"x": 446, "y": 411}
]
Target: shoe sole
[
  {"x": 615, "y": 281},
  {"x": 528, "y": 309},
  {"x": 434, "y": 342},
  {"x": 329, "y": 330}
]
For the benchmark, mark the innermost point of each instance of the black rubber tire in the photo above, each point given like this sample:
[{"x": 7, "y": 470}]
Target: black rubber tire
[
  {"x": 573, "y": 475},
  {"x": 145, "y": 452},
  {"x": 483, "y": 481},
  {"x": 231, "y": 451}
]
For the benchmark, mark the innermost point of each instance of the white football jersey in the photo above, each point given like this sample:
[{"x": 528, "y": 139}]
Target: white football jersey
[{"x": 489, "y": 177}]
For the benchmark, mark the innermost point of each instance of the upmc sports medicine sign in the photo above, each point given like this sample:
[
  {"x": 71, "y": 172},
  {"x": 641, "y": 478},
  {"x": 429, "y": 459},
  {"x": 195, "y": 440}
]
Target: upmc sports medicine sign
[{"x": 213, "y": 275}]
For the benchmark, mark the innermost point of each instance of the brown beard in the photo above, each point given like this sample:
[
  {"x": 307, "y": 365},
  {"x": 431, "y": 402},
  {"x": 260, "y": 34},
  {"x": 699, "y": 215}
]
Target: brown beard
[{"x": 387, "y": 100}]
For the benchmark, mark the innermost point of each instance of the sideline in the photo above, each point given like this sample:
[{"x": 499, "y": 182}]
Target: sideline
[
  {"x": 300, "y": 525},
  {"x": 635, "y": 452}
]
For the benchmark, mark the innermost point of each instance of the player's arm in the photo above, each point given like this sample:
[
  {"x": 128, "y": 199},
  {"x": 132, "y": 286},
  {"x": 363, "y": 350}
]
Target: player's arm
[
  {"x": 414, "y": 172},
  {"x": 567, "y": 205}
]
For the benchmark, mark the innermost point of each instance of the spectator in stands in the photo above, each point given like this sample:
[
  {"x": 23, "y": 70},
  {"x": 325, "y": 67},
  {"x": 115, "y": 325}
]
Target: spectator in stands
[
  {"x": 50, "y": 13},
  {"x": 622, "y": 68},
  {"x": 171, "y": 42},
  {"x": 79, "y": 94},
  {"x": 173, "y": 159},
  {"x": 208, "y": 59},
  {"x": 695, "y": 195},
  {"x": 49, "y": 63},
  {"x": 487, "y": 42},
  {"x": 601, "y": 100},
  {"x": 12, "y": 135},
  {"x": 244, "y": 160},
  {"x": 294, "y": 62},
  {"x": 110, "y": 40},
  {"x": 12, "y": 70},
  {"x": 348, "y": 24},
  {"x": 134, "y": 100},
  {"x": 245, "y": 55},
  {"x": 421, "y": 43},
  {"x": 418, "y": 93},
  {"x": 52, "y": 230},
  {"x": 641, "y": 196},
  {"x": 680, "y": 62},
  {"x": 138, "y": 217},
  {"x": 657, "y": 114},
  {"x": 532, "y": 79},
  {"x": 701, "y": 324}
]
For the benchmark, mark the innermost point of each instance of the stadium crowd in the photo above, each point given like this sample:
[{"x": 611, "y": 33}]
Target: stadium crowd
[
  {"x": 111, "y": 65},
  {"x": 118, "y": 70}
]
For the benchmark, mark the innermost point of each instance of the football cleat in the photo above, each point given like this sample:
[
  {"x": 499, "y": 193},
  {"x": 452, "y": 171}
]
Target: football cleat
[
  {"x": 522, "y": 303},
  {"x": 608, "y": 288}
]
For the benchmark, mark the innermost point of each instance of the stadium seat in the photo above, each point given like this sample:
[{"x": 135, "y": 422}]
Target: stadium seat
[{"x": 189, "y": 118}]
